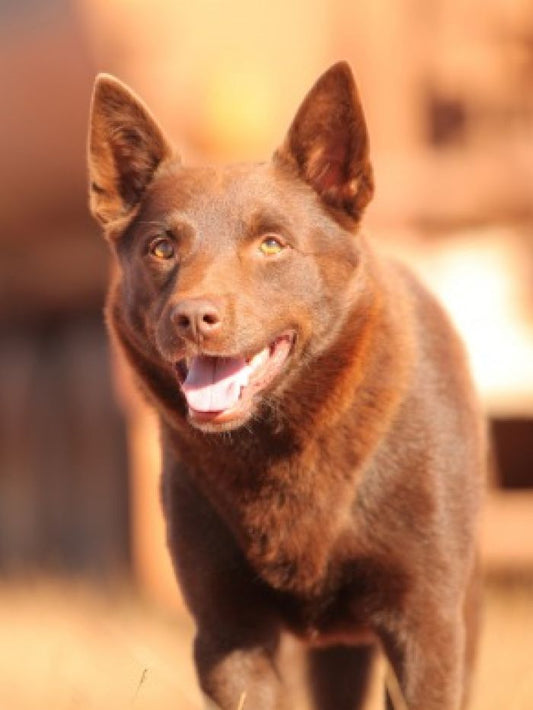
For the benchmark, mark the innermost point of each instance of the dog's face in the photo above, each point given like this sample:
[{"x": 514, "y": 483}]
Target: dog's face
[{"x": 231, "y": 279}]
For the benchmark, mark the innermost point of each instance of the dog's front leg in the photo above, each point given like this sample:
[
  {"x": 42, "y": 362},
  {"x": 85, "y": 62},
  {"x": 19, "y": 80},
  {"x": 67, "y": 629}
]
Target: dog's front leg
[
  {"x": 238, "y": 629},
  {"x": 238, "y": 677},
  {"x": 427, "y": 660}
]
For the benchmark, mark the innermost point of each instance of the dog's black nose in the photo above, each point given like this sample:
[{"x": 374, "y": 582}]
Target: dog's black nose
[{"x": 196, "y": 318}]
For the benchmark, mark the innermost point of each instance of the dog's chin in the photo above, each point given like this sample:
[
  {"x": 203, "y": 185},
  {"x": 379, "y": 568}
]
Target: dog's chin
[
  {"x": 224, "y": 391},
  {"x": 218, "y": 422}
]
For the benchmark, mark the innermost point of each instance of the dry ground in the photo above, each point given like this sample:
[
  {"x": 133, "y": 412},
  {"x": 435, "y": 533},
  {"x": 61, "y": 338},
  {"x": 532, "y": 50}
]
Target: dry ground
[{"x": 66, "y": 646}]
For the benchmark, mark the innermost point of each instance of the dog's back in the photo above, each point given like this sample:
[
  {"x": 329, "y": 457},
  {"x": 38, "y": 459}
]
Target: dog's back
[{"x": 323, "y": 448}]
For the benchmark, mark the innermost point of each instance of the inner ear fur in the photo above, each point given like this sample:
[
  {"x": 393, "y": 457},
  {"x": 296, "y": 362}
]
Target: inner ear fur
[
  {"x": 327, "y": 143},
  {"x": 126, "y": 146}
]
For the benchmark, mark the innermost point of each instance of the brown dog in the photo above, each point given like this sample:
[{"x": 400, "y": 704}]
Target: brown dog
[{"x": 323, "y": 450}]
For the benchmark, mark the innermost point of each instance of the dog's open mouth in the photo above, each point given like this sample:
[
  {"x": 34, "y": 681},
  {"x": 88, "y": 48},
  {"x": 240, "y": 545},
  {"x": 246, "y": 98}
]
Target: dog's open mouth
[{"x": 220, "y": 389}]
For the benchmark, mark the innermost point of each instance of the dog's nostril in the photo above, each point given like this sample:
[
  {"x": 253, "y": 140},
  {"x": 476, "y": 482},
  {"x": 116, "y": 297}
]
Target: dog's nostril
[
  {"x": 183, "y": 321},
  {"x": 210, "y": 318}
]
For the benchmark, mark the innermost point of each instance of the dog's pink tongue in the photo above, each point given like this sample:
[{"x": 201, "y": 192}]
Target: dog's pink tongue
[{"x": 213, "y": 384}]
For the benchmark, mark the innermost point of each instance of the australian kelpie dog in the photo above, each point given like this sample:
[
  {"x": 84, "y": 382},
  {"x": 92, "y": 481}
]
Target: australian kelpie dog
[{"x": 323, "y": 450}]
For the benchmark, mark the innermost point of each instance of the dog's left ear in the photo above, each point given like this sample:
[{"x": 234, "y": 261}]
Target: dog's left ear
[
  {"x": 126, "y": 146},
  {"x": 327, "y": 143}
]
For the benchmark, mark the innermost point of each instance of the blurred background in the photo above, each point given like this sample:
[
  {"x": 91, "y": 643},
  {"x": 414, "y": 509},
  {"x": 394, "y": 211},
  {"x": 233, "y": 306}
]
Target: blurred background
[{"x": 89, "y": 612}]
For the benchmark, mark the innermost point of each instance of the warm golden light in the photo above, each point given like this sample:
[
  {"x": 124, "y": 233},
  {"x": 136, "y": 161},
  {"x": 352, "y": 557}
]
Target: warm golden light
[{"x": 447, "y": 88}]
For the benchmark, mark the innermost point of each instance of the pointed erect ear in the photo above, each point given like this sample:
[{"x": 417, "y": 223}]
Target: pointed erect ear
[
  {"x": 327, "y": 143},
  {"x": 125, "y": 148}
]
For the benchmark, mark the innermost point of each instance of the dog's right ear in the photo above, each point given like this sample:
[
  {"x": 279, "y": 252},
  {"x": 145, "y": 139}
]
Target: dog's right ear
[
  {"x": 126, "y": 146},
  {"x": 327, "y": 143}
]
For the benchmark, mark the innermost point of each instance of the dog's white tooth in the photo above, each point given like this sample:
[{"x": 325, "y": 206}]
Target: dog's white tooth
[
  {"x": 244, "y": 376},
  {"x": 258, "y": 359}
]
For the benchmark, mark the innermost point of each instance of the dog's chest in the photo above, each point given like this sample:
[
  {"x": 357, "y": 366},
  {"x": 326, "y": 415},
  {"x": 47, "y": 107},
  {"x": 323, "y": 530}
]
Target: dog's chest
[
  {"x": 342, "y": 615},
  {"x": 292, "y": 520},
  {"x": 291, "y": 538}
]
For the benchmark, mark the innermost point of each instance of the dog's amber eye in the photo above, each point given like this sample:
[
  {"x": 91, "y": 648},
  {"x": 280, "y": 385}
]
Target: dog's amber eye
[
  {"x": 271, "y": 246},
  {"x": 162, "y": 248}
]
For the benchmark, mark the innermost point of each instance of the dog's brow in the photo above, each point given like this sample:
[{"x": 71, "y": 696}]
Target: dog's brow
[
  {"x": 262, "y": 223},
  {"x": 153, "y": 223},
  {"x": 177, "y": 219},
  {"x": 173, "y": 222}
]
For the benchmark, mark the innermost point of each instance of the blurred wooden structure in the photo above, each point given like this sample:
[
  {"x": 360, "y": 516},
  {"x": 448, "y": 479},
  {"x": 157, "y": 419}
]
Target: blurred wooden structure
[{"x": 63, "y": 464}]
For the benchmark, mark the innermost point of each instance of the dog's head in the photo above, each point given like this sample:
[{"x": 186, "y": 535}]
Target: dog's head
[{"x": 231, "y": 280}]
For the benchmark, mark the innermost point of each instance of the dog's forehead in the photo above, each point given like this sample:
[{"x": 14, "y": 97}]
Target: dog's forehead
[{"x": 234, "y": 193}]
